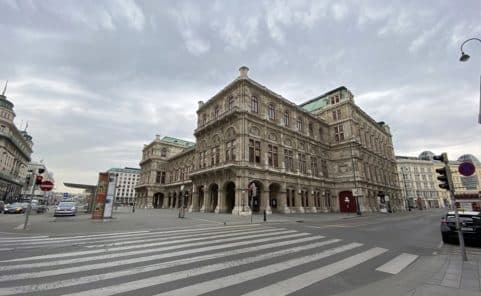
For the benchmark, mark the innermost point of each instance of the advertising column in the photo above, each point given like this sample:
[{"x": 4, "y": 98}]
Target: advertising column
[
  {"x": 99, "y": 201},
  {"x": 109, "y": 200}
]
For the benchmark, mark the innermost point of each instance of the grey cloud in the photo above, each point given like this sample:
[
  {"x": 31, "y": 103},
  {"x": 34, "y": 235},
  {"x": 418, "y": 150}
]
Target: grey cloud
[{"x": 97, "y": 80}]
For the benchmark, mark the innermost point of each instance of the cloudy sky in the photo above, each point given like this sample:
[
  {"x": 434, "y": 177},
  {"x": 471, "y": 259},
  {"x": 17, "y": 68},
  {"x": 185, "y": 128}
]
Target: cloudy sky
[{"x": 96, "y": 80}]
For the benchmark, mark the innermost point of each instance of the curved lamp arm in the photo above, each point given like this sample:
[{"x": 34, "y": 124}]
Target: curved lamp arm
[{"x": 464, "y": 57}]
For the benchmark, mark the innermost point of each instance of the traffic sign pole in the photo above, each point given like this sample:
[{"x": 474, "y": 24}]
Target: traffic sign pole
[{"x": 29, "y": 207}]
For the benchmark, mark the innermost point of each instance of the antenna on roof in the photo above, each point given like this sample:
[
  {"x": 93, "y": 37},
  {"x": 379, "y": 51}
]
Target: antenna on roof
[{"x": 5, "y": 88}]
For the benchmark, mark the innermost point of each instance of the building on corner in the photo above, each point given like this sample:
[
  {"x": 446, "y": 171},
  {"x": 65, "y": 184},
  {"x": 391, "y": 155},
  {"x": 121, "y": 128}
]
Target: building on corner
[{"x": 257, "y": 151}]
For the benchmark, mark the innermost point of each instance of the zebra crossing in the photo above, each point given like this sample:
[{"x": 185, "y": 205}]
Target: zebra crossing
[{"x": 185, "y": 262}]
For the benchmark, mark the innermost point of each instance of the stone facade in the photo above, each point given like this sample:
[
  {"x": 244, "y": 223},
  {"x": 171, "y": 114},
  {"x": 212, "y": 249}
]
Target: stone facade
[
  {"x": 257, "y": 151},
  {"x": 420, "y": 187},
  {"x": 15, "y": 152}
]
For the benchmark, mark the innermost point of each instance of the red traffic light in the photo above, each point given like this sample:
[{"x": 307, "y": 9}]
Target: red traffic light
[{"x": 38, "y": 180}]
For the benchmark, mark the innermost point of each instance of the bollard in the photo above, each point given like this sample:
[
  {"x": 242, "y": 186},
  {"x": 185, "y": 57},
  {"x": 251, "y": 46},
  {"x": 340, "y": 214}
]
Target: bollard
[
  {"x": 133, "y": 209},
  {"x": 265, "y": 216}
]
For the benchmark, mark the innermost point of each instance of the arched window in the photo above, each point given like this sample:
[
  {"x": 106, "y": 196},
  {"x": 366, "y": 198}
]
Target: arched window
[
  {"x": 216, "y": 112},
  {"x": 163, "y": 152}
]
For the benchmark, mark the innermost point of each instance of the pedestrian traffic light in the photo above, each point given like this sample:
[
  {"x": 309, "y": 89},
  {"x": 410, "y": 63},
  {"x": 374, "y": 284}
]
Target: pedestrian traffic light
[
  {"x": 38, "y": 180},
  {"x": 444, "y": 178}
]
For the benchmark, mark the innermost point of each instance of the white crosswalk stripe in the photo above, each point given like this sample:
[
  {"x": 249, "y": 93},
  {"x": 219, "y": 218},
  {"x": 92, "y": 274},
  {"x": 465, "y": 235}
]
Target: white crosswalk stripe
[{"x": 152, "y": 262}]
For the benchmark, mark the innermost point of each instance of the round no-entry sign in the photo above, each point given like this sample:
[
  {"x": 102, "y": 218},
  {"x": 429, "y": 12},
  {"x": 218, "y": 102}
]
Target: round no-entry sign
[
  {"x": 466, "y": 169},
  {"x": 46, "y": 186}
]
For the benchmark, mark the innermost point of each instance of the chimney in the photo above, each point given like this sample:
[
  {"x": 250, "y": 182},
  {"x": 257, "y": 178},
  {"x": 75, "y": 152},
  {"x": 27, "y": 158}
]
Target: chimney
[
  {"x": 200, "y": 103},
  {"x": 157, "y": 137},
  {"x": 243, "y": 71}
]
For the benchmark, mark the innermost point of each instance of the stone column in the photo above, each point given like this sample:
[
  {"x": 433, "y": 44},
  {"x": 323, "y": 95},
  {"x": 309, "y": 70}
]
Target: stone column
[
  {"x": 265, "y": 202},
  {"x": 220, "y": 208},
  {"x": 312, "y": 204},
  {"x": 298, "y": 208},
  {"x": 282, "y": 200},
  {"x": 194, "y": 207},
  {"x": 205, "y": 205}
]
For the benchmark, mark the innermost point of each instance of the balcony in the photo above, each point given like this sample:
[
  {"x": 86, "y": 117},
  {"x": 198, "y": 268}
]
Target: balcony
[{"x": 220, "y": 117}]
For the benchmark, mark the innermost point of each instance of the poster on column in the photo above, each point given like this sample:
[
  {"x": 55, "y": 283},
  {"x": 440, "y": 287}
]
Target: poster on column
[
  {"x": 99, "y": 202},
  {"x": 109, "y": 199}
]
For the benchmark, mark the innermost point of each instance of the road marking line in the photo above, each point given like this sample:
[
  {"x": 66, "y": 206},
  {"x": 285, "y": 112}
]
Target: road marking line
[
  {"x": 398, "y": 263},
  {"x": 211, "y": 285},
  {"x": 216, "y": 222},
  {"x": 306, "y": 279},
  {"x": 125, "y": 254},
  {"x": 198, "y": 288},
  {"x": 6, "y": 249},
  {"x": 156, "y": 267},
  {"x": 69, "y": 238},
  {"x": 126, "y": 234}
]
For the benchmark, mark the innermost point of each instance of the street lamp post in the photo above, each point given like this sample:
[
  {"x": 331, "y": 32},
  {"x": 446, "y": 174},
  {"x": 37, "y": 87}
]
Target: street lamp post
[{"x": 464, "y": 58}]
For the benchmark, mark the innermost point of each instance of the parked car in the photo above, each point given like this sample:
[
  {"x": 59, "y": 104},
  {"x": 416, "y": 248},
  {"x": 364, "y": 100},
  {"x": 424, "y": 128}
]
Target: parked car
[
  {"x": 469, "y": 221},
  {"x": 14, "y": 208},
  {"x": 65, "y": 208}
]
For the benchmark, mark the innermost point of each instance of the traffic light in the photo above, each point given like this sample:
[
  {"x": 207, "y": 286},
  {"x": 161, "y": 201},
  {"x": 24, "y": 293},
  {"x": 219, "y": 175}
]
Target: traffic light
[
  {"x": 38, "y": 180},
  {"x": 443, "y": 177},
  {"x": 442, "y": 158}
]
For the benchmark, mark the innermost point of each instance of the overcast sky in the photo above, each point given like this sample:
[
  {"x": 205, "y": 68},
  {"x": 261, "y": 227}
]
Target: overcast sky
[{"x": 96, "y": 80}]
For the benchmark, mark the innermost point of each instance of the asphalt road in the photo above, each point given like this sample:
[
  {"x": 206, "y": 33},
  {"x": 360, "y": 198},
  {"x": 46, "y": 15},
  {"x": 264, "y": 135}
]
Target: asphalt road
[{"x": 302, "y": 255}]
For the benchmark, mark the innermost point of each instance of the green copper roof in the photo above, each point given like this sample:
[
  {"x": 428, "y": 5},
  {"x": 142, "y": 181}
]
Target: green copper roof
[
  {"x": 320, "y": 101},
  {"x": 176, "y": 141}
]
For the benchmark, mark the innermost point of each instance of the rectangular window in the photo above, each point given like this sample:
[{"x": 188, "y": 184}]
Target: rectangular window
[
  {"x": 216, "y": 112},
  {"x": 314, "y": 169},
  {"x": 271, "y": 112},
  {"x": 334, "y": 99},
  {"x": 339, "y": 133},
  {"x": 286, "y": 118},
  {"x": 288, "y": 160},
  {"x": 162, "y": 178},
  {"x": 325, "y": 171},
  {"x": 311, "y": 129},
  {"x": 230, "y": 151},
  {"x": 215, "y": 156},
  {"x": 299, "y": 124},
  {"x": 302, "y": 163},
  {"x": 254, "y": 151},
  {"x": 231, "y": 103},
  {"x": 272, "y": 156},
  {"x": 254, "y": 105},
  {"x": 157, "y": 178},
  {"x": 336, "y": 114}
]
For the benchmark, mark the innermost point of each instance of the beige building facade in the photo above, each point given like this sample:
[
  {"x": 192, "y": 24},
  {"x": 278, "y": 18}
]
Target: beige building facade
[
  {"x": 15, "y": 152},
  {"x": 420, "y": 186},
  {"x": 257, "y": 151}
]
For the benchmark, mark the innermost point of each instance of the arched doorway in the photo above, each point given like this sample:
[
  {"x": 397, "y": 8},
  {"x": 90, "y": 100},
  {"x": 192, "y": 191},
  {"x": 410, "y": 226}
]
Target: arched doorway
[
  {"x": 213, "y": 194},
  {"x": 274, "y": 190},
  {"x": 254, "y": 194},
  {"x": 229, "y": 197},
  {"x": 347, "y": 202},
  {"x": 158, "y": 200}
]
